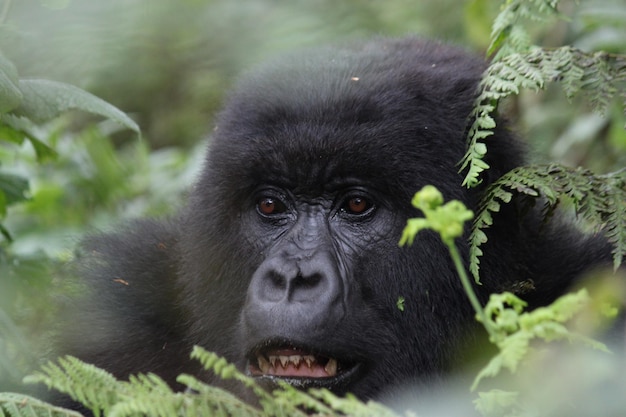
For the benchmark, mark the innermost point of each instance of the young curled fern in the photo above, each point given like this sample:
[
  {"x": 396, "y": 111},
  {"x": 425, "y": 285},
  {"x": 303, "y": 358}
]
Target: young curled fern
[{"x": 511, "y": 328}]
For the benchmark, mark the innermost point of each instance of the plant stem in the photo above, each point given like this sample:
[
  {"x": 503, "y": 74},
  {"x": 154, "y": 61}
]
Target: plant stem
[{"x": 469, "y": 290}]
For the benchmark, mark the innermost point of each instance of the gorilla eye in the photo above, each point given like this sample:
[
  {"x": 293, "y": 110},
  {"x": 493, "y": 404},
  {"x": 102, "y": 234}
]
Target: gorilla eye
[
  {"x": 269, "y": 206},
  {"x": 356, "y": 205}
]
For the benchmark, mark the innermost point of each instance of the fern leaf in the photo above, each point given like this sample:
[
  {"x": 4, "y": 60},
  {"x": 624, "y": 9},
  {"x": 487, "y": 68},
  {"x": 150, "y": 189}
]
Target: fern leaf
[
  {"x": 19, "y": 405},
  {"x": 286, "y": 401},
  {"x": 507, "y": 29},
  {"x": 516, "y": 329},
  {"x": 520, "y": 65},
  {"x": 600, "y": 199},
  {"x": 350, "y": 405},
  {"x": 148, "y": 404},
  {"x": 92, "y": 386},
  {"x": 210, "y": 398},
  {"x": 498, "y": 403}
]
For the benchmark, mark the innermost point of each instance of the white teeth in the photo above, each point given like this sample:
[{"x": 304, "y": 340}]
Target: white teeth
[
  {"x": 264, "y": 365},
  {"x": 272, "y": 361},
  {"x": 295, "y": 359},
  {"x": 309, "y": 360},
  {"x": 331, "y": 367}
]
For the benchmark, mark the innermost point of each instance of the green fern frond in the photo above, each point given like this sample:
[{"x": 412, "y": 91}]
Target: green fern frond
[
  {"x": 287, "y": 400},
  {"x": 19, "y": 405},
  {"x": 70, "y": 377},
  {"x": 600, "y": 76},
  {"x": 225, "y": 370},
  {"x": 148, "y": 404},
  {"x": 507, "y": 30},
  {"x": 518, "y": 64},
  {"x": 600, "y": 199},
  {"x": 352, "y": 406},
  {"x": 281, "y": 402},
  {"x": 149, "y": 395},
  {"x": 515, "y": 329},
  {"x": 211, "y": 400}
]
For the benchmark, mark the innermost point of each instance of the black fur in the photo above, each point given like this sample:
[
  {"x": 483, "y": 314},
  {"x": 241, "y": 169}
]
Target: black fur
[{"x": 376, "y": 120}]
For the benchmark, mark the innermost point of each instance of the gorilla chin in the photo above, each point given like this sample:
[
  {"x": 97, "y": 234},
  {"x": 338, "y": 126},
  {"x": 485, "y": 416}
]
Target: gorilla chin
[{"x": 285, "y": 259}]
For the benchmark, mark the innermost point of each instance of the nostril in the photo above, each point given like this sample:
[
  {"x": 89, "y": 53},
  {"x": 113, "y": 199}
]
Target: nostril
[
  {"x": 310, "y": 281},
  {"x": 277, "y": 280}
]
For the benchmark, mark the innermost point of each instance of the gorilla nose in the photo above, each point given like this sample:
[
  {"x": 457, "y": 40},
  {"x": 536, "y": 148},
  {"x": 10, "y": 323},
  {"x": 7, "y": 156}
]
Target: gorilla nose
[
  {"x": 304, "y": 293},
  {"x": 279, "y": 286},
  {"x": 308, "y": 280}
]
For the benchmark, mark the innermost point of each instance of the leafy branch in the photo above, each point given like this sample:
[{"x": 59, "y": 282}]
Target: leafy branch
[
  {"x": 514, "y": 329},
  {"x": 447, "y": 220},
  {"x": 19, "y": 405},
  {"x": 599, "y": 199},
  {"x": 518, "y": 65},
  {"x": 27, "y": 103},
  {"x": 510, "y": 328},
  {"x": 507, "y": 31}
]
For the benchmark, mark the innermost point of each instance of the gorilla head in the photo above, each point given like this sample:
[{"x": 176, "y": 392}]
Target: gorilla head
[{"x": 286, "y": 259}]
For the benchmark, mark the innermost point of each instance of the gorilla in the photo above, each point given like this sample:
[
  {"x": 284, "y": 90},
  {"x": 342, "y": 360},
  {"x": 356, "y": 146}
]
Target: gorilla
[{"x": 285, "y": 258}]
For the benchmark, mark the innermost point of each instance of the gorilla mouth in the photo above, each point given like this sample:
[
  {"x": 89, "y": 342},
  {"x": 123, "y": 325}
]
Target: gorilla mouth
[{"x": 301, "y": 368}]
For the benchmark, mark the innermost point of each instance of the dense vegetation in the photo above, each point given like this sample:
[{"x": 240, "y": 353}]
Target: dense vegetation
[{"x": 168, "y": 65}]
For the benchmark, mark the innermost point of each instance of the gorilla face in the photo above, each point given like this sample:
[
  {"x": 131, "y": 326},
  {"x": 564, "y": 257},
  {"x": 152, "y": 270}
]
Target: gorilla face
[
  {"x": 305, "y": 292},
  {"x": 306, "y": 191}
]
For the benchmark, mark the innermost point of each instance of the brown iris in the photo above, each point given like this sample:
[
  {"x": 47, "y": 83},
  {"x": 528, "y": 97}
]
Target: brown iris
[{"x": 357, "y": 205}]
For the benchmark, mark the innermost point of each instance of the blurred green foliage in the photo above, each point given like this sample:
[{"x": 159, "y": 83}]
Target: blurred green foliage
[{"x": 169, "y": 65}]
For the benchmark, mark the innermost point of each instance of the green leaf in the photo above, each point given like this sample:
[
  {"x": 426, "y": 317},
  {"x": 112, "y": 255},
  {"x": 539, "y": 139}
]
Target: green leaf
[
  {"x": 5, "y": 232},
  {"x": 43, "y": 151},
  {"x": 496, "y": 402},
  {"x": 23, "y": 405},
  {"x": 17, "y": 129},
  {"x": 9, "y": 134},
  {"x": 95, "y": 388},
  {"x": 44, "y": 100},
  {"x": 14, "y": 187},
  {"x": 3, "y": 204},
  {"x": 599, "y": 199},
  {"x": 400, "y": 303},
  {"x": 10, "y": 94}
]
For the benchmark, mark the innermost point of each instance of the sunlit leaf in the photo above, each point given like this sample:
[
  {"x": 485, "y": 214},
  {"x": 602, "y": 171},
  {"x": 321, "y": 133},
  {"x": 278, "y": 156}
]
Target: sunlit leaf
[
  {"x": 44, "y": 100},
  {"x": 10, "y": 94}
]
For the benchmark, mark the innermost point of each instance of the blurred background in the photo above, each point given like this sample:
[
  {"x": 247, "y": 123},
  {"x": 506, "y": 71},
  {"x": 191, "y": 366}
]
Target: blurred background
[{"x": 169, "y": 65}]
